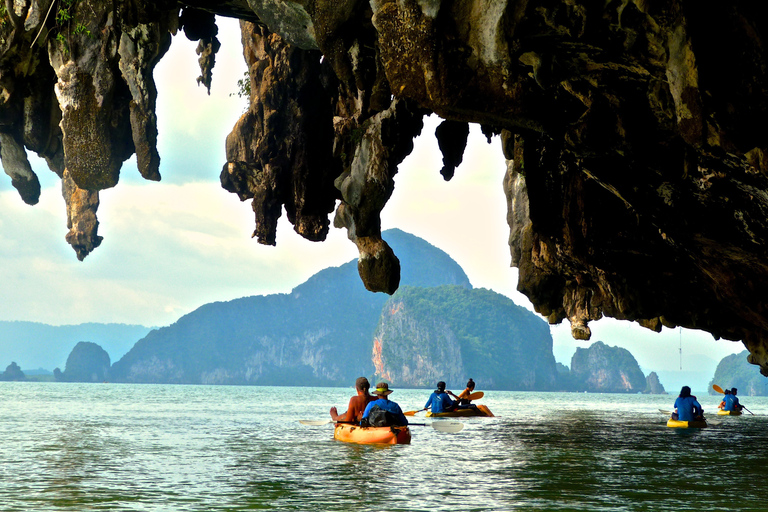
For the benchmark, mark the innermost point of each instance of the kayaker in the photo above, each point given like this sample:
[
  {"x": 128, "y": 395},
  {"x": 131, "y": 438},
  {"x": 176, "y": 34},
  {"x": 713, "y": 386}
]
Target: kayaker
[
  {"x": 732, "y": 401},
  {"x": 722, "y": 403},
  {"x": 383, "y": 411},
  {"x": 356, "y": 404},
  {"x": 463, "y": 398},
  {"x": 439, "y": 400},
  {"x": 687, "y": 407}
]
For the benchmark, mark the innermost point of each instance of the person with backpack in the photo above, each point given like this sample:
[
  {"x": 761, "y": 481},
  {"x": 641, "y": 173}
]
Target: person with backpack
[{"x": 383, "y": 412}]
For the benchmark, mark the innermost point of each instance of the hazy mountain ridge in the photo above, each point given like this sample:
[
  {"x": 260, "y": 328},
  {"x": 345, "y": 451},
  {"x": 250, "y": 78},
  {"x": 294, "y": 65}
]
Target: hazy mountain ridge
[
  {"x": 37, "y": 345},
  {"x": 319, "y": 334}
]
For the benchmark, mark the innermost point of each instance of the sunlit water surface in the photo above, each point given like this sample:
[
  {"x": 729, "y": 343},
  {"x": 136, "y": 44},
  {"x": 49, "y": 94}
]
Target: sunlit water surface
[{"x": 208, "y": 448}]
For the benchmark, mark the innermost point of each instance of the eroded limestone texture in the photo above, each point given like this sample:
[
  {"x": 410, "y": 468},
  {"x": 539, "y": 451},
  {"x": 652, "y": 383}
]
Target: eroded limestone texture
[{"x": 636, "y": 134}]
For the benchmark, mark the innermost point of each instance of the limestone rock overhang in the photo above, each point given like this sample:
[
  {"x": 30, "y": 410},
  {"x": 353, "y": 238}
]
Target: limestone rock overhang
[{"x": 634, "y": 130}]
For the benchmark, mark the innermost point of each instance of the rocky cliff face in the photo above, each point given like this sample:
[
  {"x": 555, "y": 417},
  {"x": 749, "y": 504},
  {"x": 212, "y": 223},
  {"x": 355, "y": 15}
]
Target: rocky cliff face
[
  {"x": 653, "y": 386},
  {"x": 451, "y": 334},
  {"x": 638, "y": 164},
  {"x": 604, "y": 369}
]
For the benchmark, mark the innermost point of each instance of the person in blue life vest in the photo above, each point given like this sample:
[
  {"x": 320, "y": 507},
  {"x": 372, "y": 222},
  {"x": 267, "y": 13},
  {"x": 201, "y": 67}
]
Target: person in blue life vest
[
  {"x": 687, "y": 408},
  {"x": 732, "y": 401},
  {"x": 722, "y": 402},
  {"x": 439, "y": 400},
  {"x": 383, "y": 411}
]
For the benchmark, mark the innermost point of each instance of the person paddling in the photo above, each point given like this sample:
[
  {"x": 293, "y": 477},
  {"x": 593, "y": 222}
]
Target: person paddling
[
  {"x": 463, "y": 398},
  {"x": 732, "y": 401},
  {"x": 356, "y": 404},
  {"x": 439, "y": 400},
  {"x": 687, "y": 407},
  {"x": 722, "y": 403},
  {"x": 382, "y": 411}
]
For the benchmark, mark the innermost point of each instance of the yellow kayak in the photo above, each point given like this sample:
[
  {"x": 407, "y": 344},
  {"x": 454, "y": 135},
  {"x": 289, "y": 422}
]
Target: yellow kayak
[
  {"x": 686, "y": 424},
  {"x": 728, "y": 413},
  {"x": 351, "y": 433},
  {"x": 480, "y": 410}
]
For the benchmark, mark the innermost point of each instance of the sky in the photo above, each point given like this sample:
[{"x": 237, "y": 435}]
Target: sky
[{"x": 172, "y": 246}]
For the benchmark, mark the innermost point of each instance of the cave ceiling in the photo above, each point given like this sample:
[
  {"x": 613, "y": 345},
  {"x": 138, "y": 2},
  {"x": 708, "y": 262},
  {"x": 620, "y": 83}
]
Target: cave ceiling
[{"x": 634, "y": 131}]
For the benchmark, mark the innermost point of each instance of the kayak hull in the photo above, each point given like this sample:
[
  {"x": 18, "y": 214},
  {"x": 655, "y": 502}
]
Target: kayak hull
[
  {"x": 728, "y": 413},
  {"x": 686, "y": 424},
  {"x": 350, "y": 433},
  {"x": 481, "y": 410}
]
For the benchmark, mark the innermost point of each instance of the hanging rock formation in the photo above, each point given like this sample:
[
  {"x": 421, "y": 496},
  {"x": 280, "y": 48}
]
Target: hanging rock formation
[{"x": 637, "y": 179}]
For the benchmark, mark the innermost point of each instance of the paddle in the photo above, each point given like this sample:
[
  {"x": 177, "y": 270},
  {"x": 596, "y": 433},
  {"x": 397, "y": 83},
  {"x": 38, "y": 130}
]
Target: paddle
[
  {"x": 441, "y": 426},
  {"x": 413, "y": 413},
  {"x": 720, "y": 390}
]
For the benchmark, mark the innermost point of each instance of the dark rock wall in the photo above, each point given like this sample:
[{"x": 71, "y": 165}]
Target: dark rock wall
[{"x": 638, "y": 174}]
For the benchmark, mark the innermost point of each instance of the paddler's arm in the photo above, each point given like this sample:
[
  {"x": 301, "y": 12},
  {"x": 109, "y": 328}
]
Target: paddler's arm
[{"x": 335, "y": 416}]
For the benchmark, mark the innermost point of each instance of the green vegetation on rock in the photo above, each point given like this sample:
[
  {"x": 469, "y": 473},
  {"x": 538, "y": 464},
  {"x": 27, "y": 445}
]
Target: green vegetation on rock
[
  {"x": 735, "y": 371},
  {"x": 451, "y": 333}
]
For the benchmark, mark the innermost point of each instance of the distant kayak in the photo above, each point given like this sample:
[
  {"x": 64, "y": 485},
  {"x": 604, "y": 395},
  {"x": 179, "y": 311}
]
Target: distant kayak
[
  {"x": 351, "y": 433},
  {"x": 728, "y": 413},
  {"x": 686, "y": 424},
  {"x": 480, "y": 410}
]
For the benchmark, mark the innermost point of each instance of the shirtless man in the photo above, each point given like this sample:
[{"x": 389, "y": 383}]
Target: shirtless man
[{"x": 356, "y": 404}]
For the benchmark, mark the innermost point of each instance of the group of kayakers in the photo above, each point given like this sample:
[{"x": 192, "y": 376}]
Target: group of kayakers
[
  {"x": 730, "y": 401},
  {"x": 688, "y": 408},
  {"x": 374, "y": 408},
  {"x": 440, "y": 401}
]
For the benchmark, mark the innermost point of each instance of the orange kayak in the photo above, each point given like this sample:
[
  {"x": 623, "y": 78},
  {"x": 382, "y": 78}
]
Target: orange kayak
[
  {"x": 351, "y": 433},
  {"x": 481, "y": 410}
]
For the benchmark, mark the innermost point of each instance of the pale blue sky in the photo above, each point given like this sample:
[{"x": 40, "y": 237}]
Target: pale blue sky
[{"x": 172, "y": 246}]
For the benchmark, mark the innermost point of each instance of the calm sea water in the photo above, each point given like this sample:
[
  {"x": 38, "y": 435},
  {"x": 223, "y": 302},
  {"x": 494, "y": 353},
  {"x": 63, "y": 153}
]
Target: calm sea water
[{"x": 124, "y": 447}]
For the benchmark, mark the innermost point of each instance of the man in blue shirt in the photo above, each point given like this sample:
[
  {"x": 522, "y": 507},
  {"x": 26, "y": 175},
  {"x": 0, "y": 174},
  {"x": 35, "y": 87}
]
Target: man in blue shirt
[
  {"x": 687, "y": 407},
  {"x": 732, "y": 402},
  {"x": 395, "y": 416},
  {"x": 439, "y": 400}
]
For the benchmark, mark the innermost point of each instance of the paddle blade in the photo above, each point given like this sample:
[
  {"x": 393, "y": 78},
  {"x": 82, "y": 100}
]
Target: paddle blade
[
  {"x": 476, "y": 396},
  {"x": 315, "y": 423},
  {"x": 662, "y": 411},
  {"x": 718, "y": 389},
  {"x": 410, "y": 413},
  {"x": 447, "y": 426}
]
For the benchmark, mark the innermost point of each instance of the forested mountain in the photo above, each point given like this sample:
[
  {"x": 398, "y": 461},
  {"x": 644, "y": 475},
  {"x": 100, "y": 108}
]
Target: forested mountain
[
  {"x": 319, "y": 334},
  {"x": 734, "y": 371},
  {"x": 605, "y": 369},
  {"x": 451, "y": 333}
]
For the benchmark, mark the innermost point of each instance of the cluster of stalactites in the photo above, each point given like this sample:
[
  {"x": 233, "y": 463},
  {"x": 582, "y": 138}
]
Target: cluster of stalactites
[{"x": 76, "y": 88}]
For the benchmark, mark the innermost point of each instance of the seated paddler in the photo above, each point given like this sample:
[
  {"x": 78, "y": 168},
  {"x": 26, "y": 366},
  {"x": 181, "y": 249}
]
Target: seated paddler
[
  {"x": 439, "y": 401},
  {"x": 383, "y": 412},
  {"x": 357, "y": 403},
  {"x": 687, "y": 407}
]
